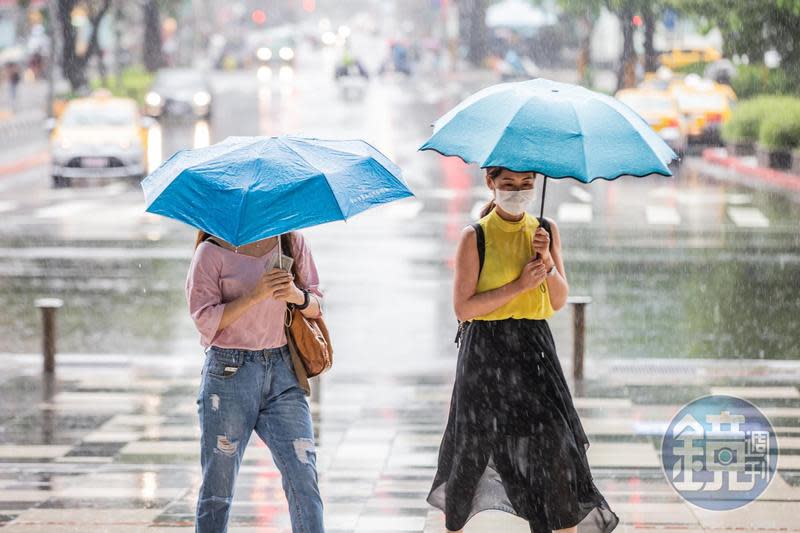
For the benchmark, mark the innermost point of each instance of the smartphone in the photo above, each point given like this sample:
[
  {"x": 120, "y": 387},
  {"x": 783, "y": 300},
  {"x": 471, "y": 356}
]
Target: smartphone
[{"x": 284, "y": 264}]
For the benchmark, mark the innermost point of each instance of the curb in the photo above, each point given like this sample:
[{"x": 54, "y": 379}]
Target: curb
[
  {"x": 26, "y": 163},
  {"x": 767, "y": 176}
]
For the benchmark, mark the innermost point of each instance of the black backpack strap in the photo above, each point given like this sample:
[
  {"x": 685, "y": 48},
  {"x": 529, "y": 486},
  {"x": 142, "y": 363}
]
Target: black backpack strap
[{"x": 481, "y": 238}]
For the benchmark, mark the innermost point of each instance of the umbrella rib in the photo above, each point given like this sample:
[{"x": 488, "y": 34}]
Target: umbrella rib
[
  {"x": 500, "y": 137},
  {"x": 324, "y": 177},
  {"x": 583, "y": 144}
]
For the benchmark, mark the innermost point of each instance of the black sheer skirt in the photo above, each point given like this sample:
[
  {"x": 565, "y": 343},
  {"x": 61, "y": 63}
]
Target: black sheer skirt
[{"x": 513, "y": 439}]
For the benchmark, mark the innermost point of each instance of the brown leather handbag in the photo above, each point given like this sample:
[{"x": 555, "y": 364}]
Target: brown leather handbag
[
  {"x": 308, "y": 338},
  {"x": 311, "y": 341}
]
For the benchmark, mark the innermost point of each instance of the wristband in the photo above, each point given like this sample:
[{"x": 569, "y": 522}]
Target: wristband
[{"x": 306, "y": 300}]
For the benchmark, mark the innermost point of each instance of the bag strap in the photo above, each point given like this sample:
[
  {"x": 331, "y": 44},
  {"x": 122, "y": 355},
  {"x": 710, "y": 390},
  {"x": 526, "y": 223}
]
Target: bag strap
[{"x": 481, "y": 240}]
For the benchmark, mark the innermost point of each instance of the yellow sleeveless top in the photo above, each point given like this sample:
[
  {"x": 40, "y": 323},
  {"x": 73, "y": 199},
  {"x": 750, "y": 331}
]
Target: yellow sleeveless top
[{"x": 509, "y": 247}]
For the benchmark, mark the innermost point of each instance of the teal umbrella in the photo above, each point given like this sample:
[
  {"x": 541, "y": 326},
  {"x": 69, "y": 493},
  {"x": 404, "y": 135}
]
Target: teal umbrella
[{"x": 556, "y": 129}]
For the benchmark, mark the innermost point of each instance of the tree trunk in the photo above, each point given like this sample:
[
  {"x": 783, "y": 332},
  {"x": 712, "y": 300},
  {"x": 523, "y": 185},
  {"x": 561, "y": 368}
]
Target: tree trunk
[
  {"x": 153, "y": 59},
  {"x": 585, "y": 52},
  {"x": 472, "y": 29},
  {"x": 626, "y": 76},
  {"x": 649, "y": 20},
  {"x": 73, "y": 65}
]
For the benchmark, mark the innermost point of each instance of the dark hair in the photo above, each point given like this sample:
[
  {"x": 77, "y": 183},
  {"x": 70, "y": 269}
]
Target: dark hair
[
  {"x": 492, "y": 173},
  {"x": 286, "y": 244}
]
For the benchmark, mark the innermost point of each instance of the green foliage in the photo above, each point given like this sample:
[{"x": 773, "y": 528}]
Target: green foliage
[
  {"x": 773, "y": 121},
  {"x": 134, "y": 83},
  {"x": 752, "y": 80},
  {"x": 693, "y": 68},
  {"x": 781, "y": 128}
]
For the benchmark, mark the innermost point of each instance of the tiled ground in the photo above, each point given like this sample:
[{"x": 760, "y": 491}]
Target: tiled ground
[{"x": 117, "y": 448}]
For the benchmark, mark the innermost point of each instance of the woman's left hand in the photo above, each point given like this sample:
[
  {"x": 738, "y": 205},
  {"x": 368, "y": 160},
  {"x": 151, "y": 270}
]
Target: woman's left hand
[{"x": 541, "y": 244}]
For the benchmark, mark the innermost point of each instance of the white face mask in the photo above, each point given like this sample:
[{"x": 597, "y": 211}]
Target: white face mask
[{"x": 514, "y": 202}]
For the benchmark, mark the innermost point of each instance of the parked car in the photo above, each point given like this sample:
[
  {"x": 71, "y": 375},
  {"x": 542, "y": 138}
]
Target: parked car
[
  {"x": 98, "y": 137},
  {"x": 705, "y": 105},
  {"x": 661, "y": 112},
  {"x": 179, "y": 92}
]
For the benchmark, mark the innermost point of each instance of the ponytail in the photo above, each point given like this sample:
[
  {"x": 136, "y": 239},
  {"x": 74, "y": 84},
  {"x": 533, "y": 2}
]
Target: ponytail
[{"x": 201, "y": 236}]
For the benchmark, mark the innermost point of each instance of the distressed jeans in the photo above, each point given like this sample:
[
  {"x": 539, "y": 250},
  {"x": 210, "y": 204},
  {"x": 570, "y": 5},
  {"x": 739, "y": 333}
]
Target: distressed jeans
[{"x": 242, "y": 391}]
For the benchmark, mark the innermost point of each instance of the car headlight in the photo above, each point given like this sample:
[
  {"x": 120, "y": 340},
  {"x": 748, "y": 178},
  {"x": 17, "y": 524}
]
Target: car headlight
[
  {"x": 286, "y": 53},
  {"x": 264, "y": 53},
  {"x": 153, "y": 99},
  {"x": 201, "y": 98}
]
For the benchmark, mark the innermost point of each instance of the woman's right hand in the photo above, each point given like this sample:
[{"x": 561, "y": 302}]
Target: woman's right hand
[
  {"x": 271, "y": 282},
  {"x": 533, "y": 274}
]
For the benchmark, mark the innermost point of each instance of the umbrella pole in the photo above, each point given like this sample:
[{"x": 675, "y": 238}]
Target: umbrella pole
[
  {"x": 280, "y": 252},
  {"x": 544, "y": 188}
]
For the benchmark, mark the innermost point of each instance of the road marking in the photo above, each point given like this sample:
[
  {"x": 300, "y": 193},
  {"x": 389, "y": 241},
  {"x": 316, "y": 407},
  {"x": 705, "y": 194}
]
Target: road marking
[
  {"x": 662, "y": 215},
  {"x": 748, "y": 217},
  {"x": 64, "y": 209},
  {"x": 738, "y": 198},
  {"x": 581, "y": 194},
  {"x": 7, "y": 206},
  {"x": 579, "y": 213}
]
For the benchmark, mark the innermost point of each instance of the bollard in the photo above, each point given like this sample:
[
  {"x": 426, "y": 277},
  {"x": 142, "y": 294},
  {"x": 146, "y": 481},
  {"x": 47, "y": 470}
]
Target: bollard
[
  {"x": 49, "y": 306},
  {"x": 578, "y": 333}
]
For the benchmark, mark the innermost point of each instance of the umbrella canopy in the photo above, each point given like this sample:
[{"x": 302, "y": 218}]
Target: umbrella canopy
[
  {"x": 245, "y": 189},
  {"x": 557, "y": 129}
]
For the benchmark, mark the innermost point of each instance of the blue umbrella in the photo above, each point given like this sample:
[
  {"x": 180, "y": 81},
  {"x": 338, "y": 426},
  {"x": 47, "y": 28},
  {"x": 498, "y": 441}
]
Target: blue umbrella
[
  {"x": 245, "y": 189},
  {"x": 556, "y": 129}
]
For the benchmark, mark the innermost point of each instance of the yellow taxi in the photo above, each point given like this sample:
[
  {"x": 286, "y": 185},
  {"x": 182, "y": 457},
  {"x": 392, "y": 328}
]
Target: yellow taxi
[
  {"x": 681, "y": 57},
  {"x": 99, "y": 136},
  {"x": 705, "y": 105},
  {"x": 660, "y": 111}
]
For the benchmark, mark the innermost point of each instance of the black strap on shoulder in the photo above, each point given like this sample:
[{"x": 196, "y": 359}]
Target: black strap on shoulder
[{"x": 481, "y": 238}]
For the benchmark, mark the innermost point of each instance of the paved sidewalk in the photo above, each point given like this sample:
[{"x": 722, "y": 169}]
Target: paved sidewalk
[{"x": 117, "y": 448}]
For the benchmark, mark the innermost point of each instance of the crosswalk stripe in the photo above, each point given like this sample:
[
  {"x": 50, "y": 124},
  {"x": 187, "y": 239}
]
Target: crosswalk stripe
[
  {"x": 572, "y": 212},
  {"x": 581, "y": 194},
  {"x": 7, "y": 206},
  {"x": 748, "y": 217},
  {"x": 662, "y": 215},
  {"x": 64, "y": 209}
]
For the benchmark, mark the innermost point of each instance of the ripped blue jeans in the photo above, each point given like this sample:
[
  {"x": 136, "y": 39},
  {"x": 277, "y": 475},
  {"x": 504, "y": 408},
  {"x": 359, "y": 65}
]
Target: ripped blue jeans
[{"x": 242, "y": 391}]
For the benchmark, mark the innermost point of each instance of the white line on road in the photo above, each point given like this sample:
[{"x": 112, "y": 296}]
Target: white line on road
[
  {"x": 748, "y": 217},
  {"x": 7, "y": 206},
  {"x": 64, "y": 209},
  {"x": 662, "y": 215},
  {"x": 581, "y": 194},
  {"x": 570, "y": 212}
]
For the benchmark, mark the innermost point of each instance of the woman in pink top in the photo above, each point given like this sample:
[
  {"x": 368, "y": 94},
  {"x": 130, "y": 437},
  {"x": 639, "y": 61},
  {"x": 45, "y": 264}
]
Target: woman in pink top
[{"x": 248, "y": 381}]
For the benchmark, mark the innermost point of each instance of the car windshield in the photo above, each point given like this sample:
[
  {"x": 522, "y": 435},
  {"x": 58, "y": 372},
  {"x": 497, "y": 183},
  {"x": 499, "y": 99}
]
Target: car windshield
[
  {"x": 179, "y": 79},
  {"x": 643, "y": 103},
  {"x": 85, "y": 116}
]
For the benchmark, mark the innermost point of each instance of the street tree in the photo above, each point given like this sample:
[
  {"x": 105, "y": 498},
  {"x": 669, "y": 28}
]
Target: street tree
[
  {"x": 73, "y": 62},
  {"x": 753, "y": 28}
]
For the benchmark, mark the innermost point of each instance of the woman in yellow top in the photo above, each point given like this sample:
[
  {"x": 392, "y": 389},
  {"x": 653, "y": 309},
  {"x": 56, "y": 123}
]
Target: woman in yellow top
[{"x": 513, "y": 440}]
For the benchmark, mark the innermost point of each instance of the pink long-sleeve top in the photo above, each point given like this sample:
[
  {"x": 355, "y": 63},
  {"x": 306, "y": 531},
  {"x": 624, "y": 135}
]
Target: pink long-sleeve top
[{"x": 218, "y": 275}]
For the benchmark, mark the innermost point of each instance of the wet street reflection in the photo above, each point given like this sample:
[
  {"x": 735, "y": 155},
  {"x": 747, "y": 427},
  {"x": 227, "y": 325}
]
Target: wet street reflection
[{"x": 693, "y": 281}]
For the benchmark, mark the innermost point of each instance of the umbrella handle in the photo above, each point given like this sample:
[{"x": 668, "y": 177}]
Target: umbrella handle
[
  {"x": 544, "y": 188},
  {"x": 280, "y": 253}
]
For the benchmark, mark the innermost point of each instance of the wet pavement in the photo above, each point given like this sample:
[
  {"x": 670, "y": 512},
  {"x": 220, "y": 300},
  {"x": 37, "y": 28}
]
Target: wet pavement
[{"x": 694, "y": 292}]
